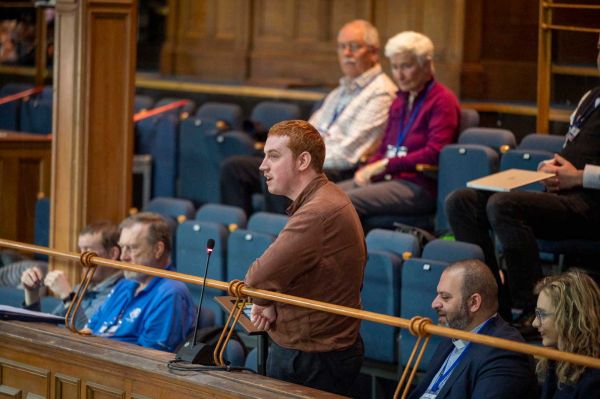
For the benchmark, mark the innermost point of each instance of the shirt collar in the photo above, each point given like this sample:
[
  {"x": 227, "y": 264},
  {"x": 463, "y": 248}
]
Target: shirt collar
[
  {"x": 307, "y": 193},
  {"x": 107, "y": 282},
  {"x": 460, "y": 344},
  {"x": 362, "y": 80}
]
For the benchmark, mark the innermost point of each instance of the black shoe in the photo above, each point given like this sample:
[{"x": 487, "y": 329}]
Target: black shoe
[{"x": 524, "y": 323}]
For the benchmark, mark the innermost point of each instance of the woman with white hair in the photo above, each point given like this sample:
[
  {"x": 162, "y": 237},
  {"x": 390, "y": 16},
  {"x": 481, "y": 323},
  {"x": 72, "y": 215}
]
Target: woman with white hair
[{"x": 422, "y": 119}]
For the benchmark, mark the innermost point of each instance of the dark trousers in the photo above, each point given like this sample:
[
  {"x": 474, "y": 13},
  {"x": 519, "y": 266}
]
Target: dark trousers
[
  {"x": 240, "y": 179},
  {"x": 333, "y": 371},
  {"x": 517, "y": 219}
]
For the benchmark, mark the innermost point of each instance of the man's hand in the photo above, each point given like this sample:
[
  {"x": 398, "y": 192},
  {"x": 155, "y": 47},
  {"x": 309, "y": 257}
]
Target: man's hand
[
  {"x": 567, "y": 176},
  {"x": 31, "y": 279},
  {"x": 263, "y": 316},
  {"x": 363, "y": 176},
  {"x": 58, "y": 283}
]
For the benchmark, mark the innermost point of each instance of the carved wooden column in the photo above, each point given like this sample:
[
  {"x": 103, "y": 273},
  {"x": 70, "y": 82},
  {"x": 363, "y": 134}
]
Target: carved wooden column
[{"x": 94, "y": 75}]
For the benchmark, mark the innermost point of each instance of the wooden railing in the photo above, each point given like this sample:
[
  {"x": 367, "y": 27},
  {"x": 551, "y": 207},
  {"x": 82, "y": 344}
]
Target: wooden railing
[{"x": 419, "y": 326}]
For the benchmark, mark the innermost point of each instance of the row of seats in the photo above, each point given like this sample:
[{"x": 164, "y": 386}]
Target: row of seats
[
  {"x": 399, "y": 280},
  {"x": 31, "y": 114},
  {"x": 478, "y": 152}
]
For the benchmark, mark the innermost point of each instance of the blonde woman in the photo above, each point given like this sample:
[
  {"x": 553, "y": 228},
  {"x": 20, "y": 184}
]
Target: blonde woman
[{"x": 568, "y": 318}]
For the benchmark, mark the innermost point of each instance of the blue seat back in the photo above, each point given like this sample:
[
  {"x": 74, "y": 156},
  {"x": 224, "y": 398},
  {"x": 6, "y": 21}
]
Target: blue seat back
[
  {"x": 393, "y": 241},
  {"x": 192, "y": 236},
  {"x": 171, "y": 207},
  {"x": 452, "y": 251},
  {"x": 49, "y": 303},
  {"x": 491, "y": 137},
  {"x": 41, "y": 230},
  {"x": 202, "y": 151},
  {"x": 158, "y": 136},
  {"x": 142, "y": 102},
  {"x": 229, "y": 113},
  {"x": 227, "y": 215},
  {"x": 36, "y": 115},
  {"x": 179, "y": 112},
  {"x": 543, "y": 142},
  {"x": 11, "y": 296},
  {"x": 245, "y": 247},
  {"x": 252, "y": 360},
  {"x": 265, "y": 222},
  {"x": 9, "y": 112},
  {"x": 468, "y": 118},
  {"x": 458, "y": 164},
  {"x": 381, "y": 293},
  {"x": 420, "y": 277},
  {"x": 267, "y": 113}
]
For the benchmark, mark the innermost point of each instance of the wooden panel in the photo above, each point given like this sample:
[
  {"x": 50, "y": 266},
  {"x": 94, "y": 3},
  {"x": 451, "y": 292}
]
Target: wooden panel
[
  {"x": 98, "y": 391},
  {"x": 7, "y": 392},
  {"x": 500, "y": 48},
  {"x": 101, "y": 368},
  {"x": 24, "y": 172},
  {"x": 66, "y": 387},
  {"x": 109, "y": 154},
  {"x": 93, "y": 131},
  {"x": 207, "y": 39},
  {"x": 26, "y": 377}
]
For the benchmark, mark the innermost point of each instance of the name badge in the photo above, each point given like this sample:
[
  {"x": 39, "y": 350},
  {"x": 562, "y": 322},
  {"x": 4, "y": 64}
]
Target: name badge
[
  {"x": 573, "y": 132},
  {"x": 429, "y": 395},
  {"x": 393, "y": 152}
]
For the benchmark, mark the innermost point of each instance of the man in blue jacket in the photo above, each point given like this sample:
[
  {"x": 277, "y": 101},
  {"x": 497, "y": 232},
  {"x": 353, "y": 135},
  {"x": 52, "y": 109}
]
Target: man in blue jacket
[
  {"x": 467, "y": 299},
  {"x": 145, "y": 310}
]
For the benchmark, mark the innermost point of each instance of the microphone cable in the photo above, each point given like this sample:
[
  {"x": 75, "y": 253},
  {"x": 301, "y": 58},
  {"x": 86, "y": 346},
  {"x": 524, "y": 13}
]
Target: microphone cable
[{"x": 182, "y": 365}]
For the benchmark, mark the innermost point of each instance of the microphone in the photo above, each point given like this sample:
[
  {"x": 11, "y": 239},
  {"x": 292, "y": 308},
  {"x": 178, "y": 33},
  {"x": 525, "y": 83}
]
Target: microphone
[{"x": 192, "y": 351}]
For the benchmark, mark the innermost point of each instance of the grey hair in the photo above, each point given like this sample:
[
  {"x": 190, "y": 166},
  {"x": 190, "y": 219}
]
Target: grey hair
[
  {"x": 371, "y": 34},
  {"x": 158, "y": 229},
  {"x": 416, "y": 43}
]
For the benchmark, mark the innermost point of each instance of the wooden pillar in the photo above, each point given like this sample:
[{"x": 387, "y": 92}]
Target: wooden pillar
[{"x": 94, "y": 73}]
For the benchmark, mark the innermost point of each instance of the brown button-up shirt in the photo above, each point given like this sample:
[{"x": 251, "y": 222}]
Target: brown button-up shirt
[{"x": 320, "y": 255}]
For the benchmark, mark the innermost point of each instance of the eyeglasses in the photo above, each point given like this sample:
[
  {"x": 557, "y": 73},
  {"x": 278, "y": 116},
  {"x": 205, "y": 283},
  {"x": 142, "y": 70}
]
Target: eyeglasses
[
  {"x": 352, "y": 46},
  {"x": 541, "y": 315}
]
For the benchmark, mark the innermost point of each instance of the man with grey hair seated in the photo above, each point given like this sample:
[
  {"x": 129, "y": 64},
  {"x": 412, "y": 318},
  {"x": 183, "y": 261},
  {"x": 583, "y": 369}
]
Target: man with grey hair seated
[
  {"x": 423, "y": 118},
  {"x": 467, "y": 300},
  {"x": 351, "y": 119},
  {"x": 149, "y": 311}
]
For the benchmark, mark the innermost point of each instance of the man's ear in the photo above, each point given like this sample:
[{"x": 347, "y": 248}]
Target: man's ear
[
  {"x": 303, "y": 161},
  {"x": 474, "y": 303},
  {"x": 114, "y": 253},
  {"x": 159, "y": 250}
]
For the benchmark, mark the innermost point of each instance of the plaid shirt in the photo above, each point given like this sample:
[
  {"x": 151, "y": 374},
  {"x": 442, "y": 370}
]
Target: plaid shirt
[{"x": 353, "y": 117}]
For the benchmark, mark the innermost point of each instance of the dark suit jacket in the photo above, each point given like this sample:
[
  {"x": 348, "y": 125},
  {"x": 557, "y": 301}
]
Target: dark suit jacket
[
  {"x": 484, "y": 372},
  {"x": 587, "y": 387}
]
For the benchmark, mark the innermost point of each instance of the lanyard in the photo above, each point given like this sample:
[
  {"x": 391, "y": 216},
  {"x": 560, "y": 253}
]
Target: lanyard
[
  {"x": 445, "y": 373},
  {"x": 404, "y": 129},
  {"x": 580, "y": 117},
  {"x": 339, "y": 110}
]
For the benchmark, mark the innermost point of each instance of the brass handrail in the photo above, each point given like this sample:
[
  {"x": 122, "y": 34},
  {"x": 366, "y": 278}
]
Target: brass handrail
[{"x": 237, "y": 288}]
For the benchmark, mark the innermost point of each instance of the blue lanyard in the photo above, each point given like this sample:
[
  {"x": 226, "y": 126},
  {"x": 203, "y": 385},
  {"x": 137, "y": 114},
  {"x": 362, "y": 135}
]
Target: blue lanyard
[
  {"x": 339, "y": 110},
  {"x": 446, "y": 373},
  {"x": 404, "y": 129}
]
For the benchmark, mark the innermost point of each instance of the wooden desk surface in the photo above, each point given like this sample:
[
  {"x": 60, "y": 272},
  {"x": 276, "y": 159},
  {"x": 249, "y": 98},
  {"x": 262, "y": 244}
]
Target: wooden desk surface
[{"x": 50, "y": 361}]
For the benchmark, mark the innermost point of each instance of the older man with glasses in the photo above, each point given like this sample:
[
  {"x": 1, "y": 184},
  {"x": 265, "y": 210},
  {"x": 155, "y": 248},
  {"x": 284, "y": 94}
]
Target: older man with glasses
[{"x": 351, "y": 119}]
